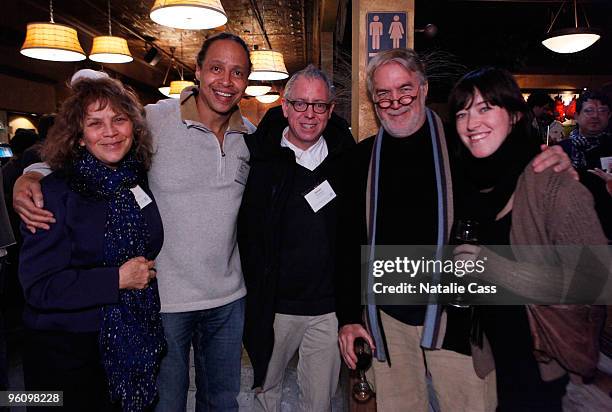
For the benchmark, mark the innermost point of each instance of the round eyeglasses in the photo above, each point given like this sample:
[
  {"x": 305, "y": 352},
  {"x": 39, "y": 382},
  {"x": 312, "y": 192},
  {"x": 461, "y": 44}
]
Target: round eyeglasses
[
  {"x": 317, "y": 107},
  {"x": 404, "y": 101}
]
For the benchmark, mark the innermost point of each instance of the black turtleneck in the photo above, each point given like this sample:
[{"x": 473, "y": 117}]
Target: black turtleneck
[{"x": 407, "y": 202}]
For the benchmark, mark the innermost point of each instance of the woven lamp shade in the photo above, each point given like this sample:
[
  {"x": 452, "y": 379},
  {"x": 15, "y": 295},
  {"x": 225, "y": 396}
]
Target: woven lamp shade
[
  {"x": 257, "y": 90},
  {"x": 110, "y": 49},
  {"x": 177, "y": 86},
  {"x": 52, "y": 41},
  {"x": 267, "y": 65},
  {"x": 189, "y": 14}
]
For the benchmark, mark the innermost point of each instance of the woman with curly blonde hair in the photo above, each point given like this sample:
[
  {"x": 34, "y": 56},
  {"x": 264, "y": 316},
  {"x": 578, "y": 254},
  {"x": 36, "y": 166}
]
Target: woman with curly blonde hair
[{"x": 92, "y": 313}]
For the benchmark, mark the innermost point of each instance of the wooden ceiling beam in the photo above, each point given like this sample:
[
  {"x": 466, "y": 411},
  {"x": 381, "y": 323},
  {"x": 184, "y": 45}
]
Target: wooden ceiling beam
[{"x": 329, "y": 12}]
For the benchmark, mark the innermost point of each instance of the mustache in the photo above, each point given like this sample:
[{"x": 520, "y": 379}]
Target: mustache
[{"x": 393, "y": 112}]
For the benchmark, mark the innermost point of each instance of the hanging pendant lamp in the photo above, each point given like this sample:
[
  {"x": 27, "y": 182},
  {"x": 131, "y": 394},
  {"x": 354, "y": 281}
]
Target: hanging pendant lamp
[
  {"x": 257, "y": 89},
  {"x": 189, "y": 14},
  {"x": 52, "y": 41},
  {"x": 267, "y": 65},
  {"x": 177, "y": 86},
  {"x": 110, "y": 49},
  {"x": 163, "y": 89},
  {"x": 570, "y": 40}
]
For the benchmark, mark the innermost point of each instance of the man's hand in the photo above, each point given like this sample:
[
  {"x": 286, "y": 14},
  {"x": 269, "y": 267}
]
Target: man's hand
[
  {"x": 605, "y": 176},
  {"x": 28, "y": 202},
  {"x": 346, "y": 338},
  {"x": 555, "y": 157}
]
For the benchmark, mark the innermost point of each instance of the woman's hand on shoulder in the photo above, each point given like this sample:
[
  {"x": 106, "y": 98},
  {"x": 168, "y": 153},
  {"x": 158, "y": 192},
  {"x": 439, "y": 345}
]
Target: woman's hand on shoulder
[{"x": 136, "y": 273}]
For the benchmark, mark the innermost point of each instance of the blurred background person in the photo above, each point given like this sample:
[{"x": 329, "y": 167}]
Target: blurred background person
[
  {"x": 590, "y": 140},
  {"x": 92, "y": 305},
  {"x": 12, "y": 301},
  {"x": 589, "y": 147},
  {"x": 515, "y": 206},
  {"x": 541, "y": 106},
  {"x": 32, "y": 154},
  {"x": 23, "y": 140}
]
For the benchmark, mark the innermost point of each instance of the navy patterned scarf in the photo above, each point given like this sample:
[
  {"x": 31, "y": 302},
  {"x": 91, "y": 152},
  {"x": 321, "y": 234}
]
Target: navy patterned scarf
[
  {"x": 131, "y": 335},
  {"x": 581, "y": 145}
]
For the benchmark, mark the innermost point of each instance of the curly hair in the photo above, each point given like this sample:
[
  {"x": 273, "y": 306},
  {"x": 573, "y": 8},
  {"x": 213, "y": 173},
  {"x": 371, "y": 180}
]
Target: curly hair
[{"x": 61, "y": 147}]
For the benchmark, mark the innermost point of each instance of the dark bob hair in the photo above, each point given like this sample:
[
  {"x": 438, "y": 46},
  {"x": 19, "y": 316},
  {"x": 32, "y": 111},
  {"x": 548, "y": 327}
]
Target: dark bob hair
[{"x": 496, "y": 86}]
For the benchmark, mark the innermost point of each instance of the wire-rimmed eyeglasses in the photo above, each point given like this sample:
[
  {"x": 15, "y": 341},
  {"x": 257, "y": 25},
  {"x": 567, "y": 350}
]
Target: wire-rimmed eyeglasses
[
  {"x": 302, "y": 106},
  {"x": 405, "y": 100}
]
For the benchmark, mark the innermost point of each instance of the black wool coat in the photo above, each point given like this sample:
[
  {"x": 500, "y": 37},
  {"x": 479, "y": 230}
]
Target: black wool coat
[{"x": 272, "y": 169}]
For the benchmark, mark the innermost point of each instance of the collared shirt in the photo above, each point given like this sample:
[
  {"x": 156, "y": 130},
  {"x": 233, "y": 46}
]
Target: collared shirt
[{"x": 310, "y": 158}]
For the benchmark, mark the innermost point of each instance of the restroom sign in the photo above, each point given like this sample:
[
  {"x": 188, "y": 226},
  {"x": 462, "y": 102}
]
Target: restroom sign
[{"x": 386, "y": 30}]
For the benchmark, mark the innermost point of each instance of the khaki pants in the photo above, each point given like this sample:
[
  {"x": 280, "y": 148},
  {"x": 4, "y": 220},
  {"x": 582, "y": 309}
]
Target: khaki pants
[
  {"x": 316, "y": 338},
  {"x": 402, "y": 387}
]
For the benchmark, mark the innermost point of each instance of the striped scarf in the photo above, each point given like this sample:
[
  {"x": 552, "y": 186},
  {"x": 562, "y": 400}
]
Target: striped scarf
[{"x": 432, "y": 336}]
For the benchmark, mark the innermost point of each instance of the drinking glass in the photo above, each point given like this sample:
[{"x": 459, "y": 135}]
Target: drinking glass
[{"x": 465, "y": 232}]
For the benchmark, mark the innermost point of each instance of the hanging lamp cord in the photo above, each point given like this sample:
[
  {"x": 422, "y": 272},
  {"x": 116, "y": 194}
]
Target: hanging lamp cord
[{"x": 109, "y": 19}]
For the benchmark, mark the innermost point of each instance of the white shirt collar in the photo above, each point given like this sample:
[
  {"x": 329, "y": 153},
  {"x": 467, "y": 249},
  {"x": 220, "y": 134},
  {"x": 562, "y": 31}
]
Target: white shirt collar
[{"x": 310, "y": 158}]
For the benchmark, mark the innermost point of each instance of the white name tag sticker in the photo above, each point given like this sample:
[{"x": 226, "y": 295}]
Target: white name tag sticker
[
  {"x": 320, "y": 196},
  {"x": 606, "y": 163},
  {"x": 142, "y": 198},
  {"x": 242, "y": 174}
]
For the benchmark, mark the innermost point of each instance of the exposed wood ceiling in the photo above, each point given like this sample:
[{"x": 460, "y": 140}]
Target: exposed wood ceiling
[
  {"x": 286, "y": 23},
  {"x": 504, "y": 33}
]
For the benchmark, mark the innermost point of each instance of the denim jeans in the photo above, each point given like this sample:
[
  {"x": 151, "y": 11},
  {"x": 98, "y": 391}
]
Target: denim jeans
[{"x": 216, "y": 335}]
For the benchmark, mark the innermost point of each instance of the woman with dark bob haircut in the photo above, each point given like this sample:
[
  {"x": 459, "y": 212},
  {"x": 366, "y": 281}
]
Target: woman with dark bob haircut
[
  {"x": 92, "y": 305},
  {"x": 516, "y": 206}
]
